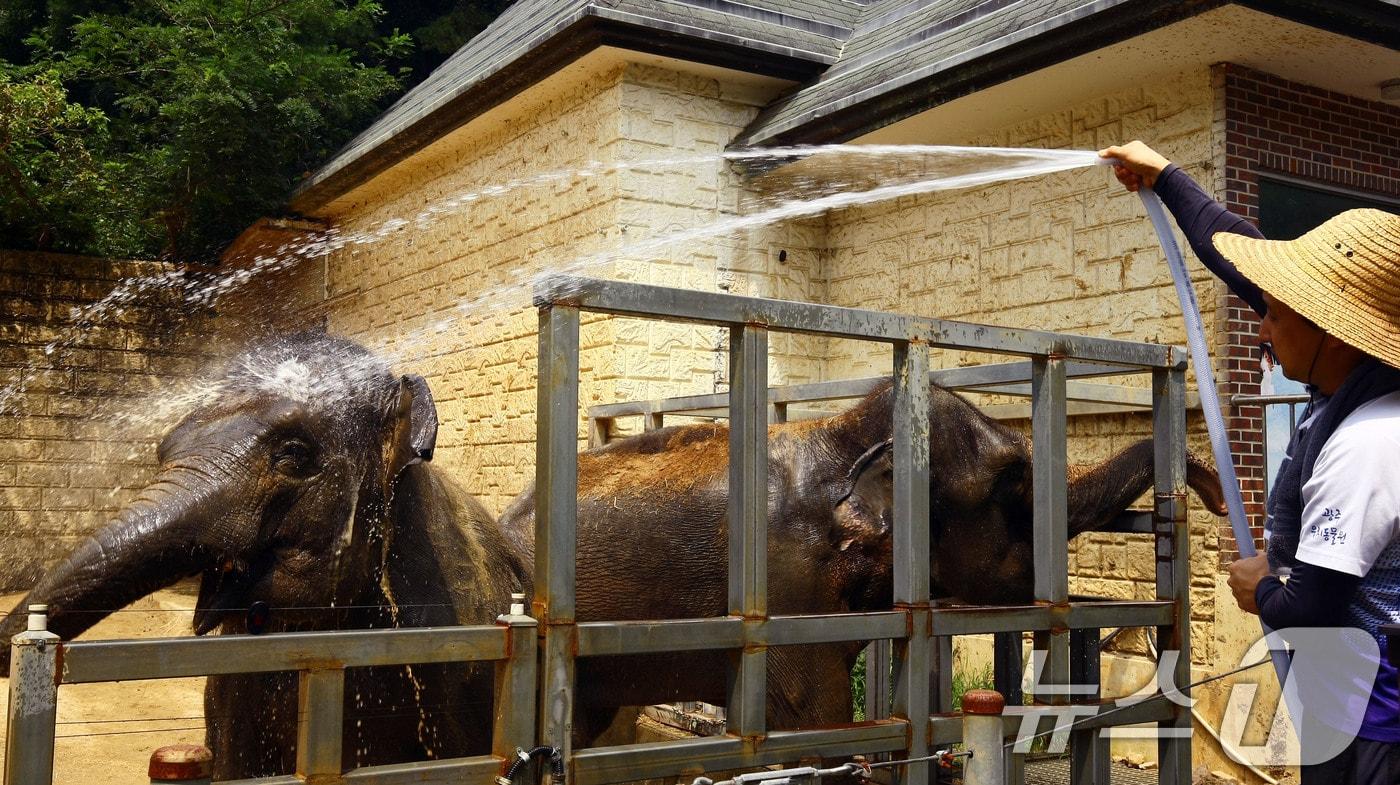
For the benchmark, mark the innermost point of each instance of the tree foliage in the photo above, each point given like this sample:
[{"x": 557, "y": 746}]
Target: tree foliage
[
  {"x": 165, "y": 127},
  {"x": 53, "y": 190}
]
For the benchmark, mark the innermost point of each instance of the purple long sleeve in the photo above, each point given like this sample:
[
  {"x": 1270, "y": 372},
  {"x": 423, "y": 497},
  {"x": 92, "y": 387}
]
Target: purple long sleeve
[
  {"x": 1200, "y": 217},
  {"x": 1313, "y": 597}
]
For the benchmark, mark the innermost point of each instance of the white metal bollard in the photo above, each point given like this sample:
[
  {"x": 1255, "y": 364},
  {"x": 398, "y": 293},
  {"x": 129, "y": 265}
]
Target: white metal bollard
[
  {"x": 982, "y": 736},
  {"x": 33, "y": 702}
]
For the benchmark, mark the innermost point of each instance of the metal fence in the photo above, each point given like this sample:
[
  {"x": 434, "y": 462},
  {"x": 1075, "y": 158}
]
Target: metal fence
[
  {"x": 919, "y": 718},
  {"x": 41, "y": 663},
  {"x": 1265, "y": 402},
  {"x": 1005, "y": 379},
  {"x": 916, "y": 628}
]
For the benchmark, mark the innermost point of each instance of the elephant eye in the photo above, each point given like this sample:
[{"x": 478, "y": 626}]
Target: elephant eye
[{"x": 294, "y": 458}]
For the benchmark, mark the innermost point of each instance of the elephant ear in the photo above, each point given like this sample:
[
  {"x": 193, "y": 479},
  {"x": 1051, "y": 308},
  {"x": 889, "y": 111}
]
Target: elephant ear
[
  {"x": 865, "y": 511},
  {"x": 415, "y": 425}
]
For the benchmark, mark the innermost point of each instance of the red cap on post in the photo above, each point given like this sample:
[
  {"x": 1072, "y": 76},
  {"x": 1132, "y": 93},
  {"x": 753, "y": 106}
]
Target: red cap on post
[
  {"x": 982, "y": 702},
  {"x": 180, "y": 762}
]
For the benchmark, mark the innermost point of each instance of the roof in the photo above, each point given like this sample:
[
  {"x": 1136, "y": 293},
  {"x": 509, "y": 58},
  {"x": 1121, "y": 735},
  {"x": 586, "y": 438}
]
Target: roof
[{"x": 860, "y": 64}]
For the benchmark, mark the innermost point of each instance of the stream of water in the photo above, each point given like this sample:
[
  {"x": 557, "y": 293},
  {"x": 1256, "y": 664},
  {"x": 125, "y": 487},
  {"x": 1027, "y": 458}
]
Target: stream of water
[{"x": 784, "y": 184}]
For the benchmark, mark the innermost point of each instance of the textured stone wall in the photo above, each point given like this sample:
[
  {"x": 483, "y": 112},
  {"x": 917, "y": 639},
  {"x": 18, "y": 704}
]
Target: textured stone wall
[
  {"x": 1069, "y": 252},
  {"x": 75, "y": 444},
  {"x": 583, "y": 174}
]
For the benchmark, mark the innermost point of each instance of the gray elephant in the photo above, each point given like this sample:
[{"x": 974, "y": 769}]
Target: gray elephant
[
  {"x": 652, "y": 540},
  {"x": 302, "y": 483}
]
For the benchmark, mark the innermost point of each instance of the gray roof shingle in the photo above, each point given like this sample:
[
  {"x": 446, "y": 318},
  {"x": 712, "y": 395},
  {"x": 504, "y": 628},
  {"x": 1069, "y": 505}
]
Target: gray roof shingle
[{"x": 863, "y": 64}]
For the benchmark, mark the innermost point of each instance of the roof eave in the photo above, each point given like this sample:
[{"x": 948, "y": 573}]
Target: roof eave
[
  {"x": 860, "y": 114},
  {"x": 592, "y": 28}
]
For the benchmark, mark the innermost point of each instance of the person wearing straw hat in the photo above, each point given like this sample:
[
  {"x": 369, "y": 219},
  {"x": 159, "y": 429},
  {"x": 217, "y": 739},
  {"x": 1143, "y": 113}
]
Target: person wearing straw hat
[{"x": 1329, "y": 304}]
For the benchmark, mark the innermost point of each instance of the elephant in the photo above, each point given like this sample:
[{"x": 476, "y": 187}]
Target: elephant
[
  {"x": 304, "y": 482},
  {"x": 652, "y": 540}
]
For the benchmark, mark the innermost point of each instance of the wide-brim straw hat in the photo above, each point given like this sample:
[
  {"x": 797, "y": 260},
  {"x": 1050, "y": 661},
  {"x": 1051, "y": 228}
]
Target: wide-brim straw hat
[{"x": 1344, "y": 276}]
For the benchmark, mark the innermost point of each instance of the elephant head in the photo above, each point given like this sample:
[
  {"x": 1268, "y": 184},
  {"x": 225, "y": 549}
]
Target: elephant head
[
  {"x": 980, "y": 492},
  {"x": 274, "y": 489}
]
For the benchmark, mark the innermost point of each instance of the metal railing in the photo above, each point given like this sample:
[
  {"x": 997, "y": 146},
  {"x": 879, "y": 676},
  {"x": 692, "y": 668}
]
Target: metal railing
[
  {"x": 1007, "y": 379},
  {"x": 41, "y": 663},
  {"x": 531, "y": 701},
  {"x": 916, "y": 628},
  {"x": 1292, "y": 401}
]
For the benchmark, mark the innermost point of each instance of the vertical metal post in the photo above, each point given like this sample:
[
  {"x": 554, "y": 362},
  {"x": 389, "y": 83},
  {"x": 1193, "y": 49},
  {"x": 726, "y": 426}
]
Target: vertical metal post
[
  {"x": 940, "y": 691},
  {"x": 1089, "y": 761},
  {"x": 1173, "y": 543},
  {"x": 911, "y": 551},
  {"x": 1007, "y": 666},
  {"x": 514, "y": 725},
  {"x": 748, "y": 520},
  {"x": 1051, "y": 536},
  {"x": 33, "y": 703},
  {"x": 778, "y": 412},
  {"x": 556, "y": 518},
  {"x": 877, "y": 679},
  {"x": 320, "y": 720},
  {"x": 982, "y": 710}
]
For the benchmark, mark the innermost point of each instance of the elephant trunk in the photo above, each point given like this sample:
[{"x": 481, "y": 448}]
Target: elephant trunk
[
  {"x": 152, "y": 543},
  {"x": 1096, "y": 495}
]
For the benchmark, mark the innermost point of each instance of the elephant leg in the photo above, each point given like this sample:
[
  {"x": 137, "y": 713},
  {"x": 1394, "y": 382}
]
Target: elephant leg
[
  {"x": 808, "y": 686},
  {"x": 251, "y": 724}
]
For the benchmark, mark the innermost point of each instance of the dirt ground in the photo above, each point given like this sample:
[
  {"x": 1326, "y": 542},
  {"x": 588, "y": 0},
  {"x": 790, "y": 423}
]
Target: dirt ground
[{"x": 106, "y": 732}]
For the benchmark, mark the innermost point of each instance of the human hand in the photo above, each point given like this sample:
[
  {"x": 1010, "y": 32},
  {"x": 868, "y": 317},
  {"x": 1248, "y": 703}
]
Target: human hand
[
  {"x": 1137, "y": 164},
  {"x": 1245, "y": 575}
]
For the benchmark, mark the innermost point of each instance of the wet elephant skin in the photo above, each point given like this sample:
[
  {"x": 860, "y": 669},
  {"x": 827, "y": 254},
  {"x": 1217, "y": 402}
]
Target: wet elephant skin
[
  {"x": 653, "y": 540},
  {"x": 303, "y": 482}
]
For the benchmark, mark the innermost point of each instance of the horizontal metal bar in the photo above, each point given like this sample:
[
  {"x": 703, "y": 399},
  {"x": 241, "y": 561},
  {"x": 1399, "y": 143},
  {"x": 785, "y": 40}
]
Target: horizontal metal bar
[
  {"x": 641, "y": 637},
  {"x": 1091, "y": 392},
  {"x": 730, "y": 632},
  {"x": 286, "y": 779},
  {"x": 973, "y": 378},
  {"x": 1268, "y": 400},
  {"x": 978, "y": 620},
  {"x": 632, "y": 299},
  {"x": 692, "y": 757},
  {"x": 829, "y": 628},
  {"x": 947, "y": 728},
  {"x": 171, "y": 658},
  {"x": 482, "y": 768},
  {"x": 1115, "y": 613}
]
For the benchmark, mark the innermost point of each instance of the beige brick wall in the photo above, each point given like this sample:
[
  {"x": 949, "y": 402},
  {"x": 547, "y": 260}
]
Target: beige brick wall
[
  {"x": 72, "y": 448},
  {"x": 449, "y": 296},
  {"x": 1068, "y": 252}
]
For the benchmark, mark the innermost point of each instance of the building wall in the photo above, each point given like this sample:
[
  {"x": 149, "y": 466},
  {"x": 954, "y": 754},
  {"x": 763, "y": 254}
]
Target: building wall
[
  {"x": 77, "y": 439},
  {"x": 1069, "y": 252},
  {"x": 1272, "y": 126},
  {"x": 582, "y": 174}
]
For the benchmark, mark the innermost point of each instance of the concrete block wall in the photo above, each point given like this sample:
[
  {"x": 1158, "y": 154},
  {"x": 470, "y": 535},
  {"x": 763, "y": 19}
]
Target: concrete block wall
[
  {"x": 75, "y": 442},
  {"x": 500, "y": 200},
  {"x": 668, "y": 116},
  {"x": 1069, "y": 252}
]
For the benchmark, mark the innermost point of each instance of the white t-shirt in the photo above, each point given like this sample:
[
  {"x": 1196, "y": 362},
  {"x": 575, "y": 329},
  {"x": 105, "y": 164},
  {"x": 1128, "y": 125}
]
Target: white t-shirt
[{"x": 1351, "y": 503}]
